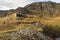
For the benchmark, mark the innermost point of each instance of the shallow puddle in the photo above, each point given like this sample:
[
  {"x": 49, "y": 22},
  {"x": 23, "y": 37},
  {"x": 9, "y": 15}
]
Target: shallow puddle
[{"x": 57, "y": 38}]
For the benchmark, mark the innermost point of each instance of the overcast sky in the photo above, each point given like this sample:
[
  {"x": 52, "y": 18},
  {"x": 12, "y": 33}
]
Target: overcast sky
[{"x": 12, "y": 4}]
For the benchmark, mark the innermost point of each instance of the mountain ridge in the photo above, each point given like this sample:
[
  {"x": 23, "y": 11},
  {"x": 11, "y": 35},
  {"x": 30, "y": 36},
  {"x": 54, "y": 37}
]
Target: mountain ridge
[{"x": 44, "y": 9}]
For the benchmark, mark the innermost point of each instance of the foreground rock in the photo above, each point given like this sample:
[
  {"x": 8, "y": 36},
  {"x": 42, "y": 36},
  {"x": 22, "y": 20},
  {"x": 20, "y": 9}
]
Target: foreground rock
[{"x": 26, "y": 33}]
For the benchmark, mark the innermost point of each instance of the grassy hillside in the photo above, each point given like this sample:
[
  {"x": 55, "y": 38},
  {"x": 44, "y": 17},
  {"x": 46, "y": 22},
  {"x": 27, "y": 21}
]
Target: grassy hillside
[
  {"x": 42, "y": 22},
  {"x": 53, "y": 21}
]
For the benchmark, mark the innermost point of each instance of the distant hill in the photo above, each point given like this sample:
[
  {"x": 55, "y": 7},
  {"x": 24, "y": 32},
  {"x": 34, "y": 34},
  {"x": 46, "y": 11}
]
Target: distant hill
[
  {"x": 45, "y": 8},
  {"x": 3, "y": 13},
  {"x": 23, "y": 10}
]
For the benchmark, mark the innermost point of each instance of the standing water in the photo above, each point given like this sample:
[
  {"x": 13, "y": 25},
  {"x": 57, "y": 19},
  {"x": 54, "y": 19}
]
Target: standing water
[{"x": 57, "y": 38}]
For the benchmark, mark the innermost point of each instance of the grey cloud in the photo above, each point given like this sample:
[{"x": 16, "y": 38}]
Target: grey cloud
[{"x": 8, "y": 4}]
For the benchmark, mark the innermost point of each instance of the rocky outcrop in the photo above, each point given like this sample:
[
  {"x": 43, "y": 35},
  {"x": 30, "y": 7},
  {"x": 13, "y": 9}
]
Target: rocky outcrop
[{"x": 26, "y": 33}]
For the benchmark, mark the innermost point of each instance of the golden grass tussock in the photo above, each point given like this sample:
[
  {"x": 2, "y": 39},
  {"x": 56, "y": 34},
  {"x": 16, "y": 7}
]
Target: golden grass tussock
[{"x": 52, "y": 21}]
